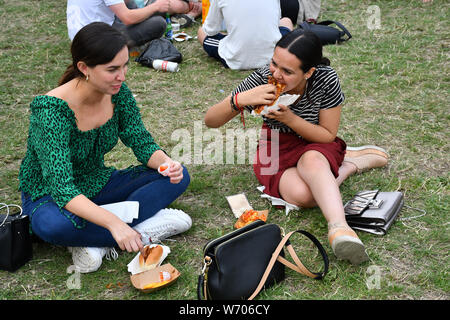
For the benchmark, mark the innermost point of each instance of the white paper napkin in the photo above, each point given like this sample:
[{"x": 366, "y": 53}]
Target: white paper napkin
[
  {"x": 285, "y": 99},
  {"x": 277, "y": 201},
  {"x": 134, "y": 266},
  {"x": 125, "y": 210}
]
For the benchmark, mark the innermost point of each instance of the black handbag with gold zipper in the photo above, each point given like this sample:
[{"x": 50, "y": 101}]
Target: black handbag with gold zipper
[{"x": 241, "y": 263}]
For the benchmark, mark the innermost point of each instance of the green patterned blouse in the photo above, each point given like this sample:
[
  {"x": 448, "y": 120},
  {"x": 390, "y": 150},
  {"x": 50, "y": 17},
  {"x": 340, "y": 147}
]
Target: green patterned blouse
[{"x": 63, "y": 161}]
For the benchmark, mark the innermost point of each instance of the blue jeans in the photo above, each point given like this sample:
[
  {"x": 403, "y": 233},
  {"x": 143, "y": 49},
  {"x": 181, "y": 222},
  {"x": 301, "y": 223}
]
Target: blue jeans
[{"x": 61, "y": 227}]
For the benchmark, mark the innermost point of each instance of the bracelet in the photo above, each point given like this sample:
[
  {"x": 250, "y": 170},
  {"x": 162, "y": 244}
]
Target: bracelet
[
  {"x": 236, "y": 102},
  {"x": 235, "y": 106}
]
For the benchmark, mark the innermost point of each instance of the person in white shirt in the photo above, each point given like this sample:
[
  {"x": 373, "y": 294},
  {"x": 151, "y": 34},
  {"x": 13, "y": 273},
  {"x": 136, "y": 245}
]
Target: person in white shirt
[
  {"x": 140, "y": 24},
  {"x": 252, "y": 32}
]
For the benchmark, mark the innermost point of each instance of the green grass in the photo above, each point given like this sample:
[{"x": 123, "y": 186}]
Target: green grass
[{"x": 396, "y": 82}]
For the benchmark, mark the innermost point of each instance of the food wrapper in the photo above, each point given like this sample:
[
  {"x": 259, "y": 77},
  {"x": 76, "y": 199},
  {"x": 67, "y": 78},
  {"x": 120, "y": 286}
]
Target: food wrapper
[
  {"x": 249, "y": 216},
  {"x": 134, "y": 266},
  {"x": 278, "y": 201},
  {"x": 181, "y": 36},
  {"x": 286, "y": 99},
  {"x": 155, "y": 279},
  {"x": 238, "y": 204}
]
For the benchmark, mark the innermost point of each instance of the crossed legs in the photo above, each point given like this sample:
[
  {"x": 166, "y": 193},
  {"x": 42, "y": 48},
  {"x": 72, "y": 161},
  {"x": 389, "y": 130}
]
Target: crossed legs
[{"x": 311, "y": 183}]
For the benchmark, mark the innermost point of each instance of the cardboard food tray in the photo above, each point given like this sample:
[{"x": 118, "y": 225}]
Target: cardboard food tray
[{"x": 140, "y": 280}]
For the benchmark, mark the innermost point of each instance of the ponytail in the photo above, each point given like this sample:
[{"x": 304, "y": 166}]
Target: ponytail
[{"x": 69, "y": 74}]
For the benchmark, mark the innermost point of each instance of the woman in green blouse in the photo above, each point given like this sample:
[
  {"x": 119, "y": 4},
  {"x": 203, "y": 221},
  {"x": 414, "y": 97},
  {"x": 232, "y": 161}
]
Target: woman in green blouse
[{"x": 63, "y": 178}]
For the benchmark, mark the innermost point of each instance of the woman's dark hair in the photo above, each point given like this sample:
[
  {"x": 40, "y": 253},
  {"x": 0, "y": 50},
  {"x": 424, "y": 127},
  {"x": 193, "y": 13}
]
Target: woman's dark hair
[
  {"x": 96, "y": 43},
  {"x": 306, "y": 46}
]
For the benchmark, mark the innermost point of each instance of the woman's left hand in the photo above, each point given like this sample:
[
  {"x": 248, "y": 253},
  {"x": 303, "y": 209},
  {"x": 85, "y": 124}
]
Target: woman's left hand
[
  {"x": 175, "y": 171},
  {"x": 284, "y": 114}
]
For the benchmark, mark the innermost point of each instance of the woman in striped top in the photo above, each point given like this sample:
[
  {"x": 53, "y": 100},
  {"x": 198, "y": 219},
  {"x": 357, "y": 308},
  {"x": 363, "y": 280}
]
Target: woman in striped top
[{"x": 300, "y": 158}]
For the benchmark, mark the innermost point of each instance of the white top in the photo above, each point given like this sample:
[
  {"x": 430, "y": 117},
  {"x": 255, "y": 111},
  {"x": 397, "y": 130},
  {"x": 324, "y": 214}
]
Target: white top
[
  {"x": 252, "y": 30},
  {"x": 83, "y": 12}
]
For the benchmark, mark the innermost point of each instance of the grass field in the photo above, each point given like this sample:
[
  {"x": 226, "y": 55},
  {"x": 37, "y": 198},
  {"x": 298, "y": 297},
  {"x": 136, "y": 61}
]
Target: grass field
[{"x": 396, "y": 82}]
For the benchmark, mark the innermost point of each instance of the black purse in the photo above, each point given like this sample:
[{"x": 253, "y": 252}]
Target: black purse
[
  {"x": 373, "y": 211},
  {"x": 326, "y": 33},
  {"x": 241, "y": 263},
  {"x": 15, "y": 240}
]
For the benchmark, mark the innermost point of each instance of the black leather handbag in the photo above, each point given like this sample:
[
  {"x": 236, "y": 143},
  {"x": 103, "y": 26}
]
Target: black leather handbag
[
  {"x": 15, "y": 239},
  {"x": 326, "y": 33},
  {"x": 241, "y": 263}
]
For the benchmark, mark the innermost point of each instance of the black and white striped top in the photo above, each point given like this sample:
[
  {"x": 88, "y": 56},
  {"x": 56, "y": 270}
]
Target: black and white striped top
[{"x": 325, "y": 94}]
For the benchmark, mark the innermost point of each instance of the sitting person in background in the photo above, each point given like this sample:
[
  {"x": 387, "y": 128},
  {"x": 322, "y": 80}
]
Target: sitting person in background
[
  {"x": 63, "y": 177},
  {"x": 309, "y": 11},
  {"x": 252, "y": 30},
  {"x": 140, "y": 25},
  {"x": 290, "y": 9},
  {"x": 185, "y": 20},
  {"x": 299, "y": 157},
  {"x": 300, "y": 10}
]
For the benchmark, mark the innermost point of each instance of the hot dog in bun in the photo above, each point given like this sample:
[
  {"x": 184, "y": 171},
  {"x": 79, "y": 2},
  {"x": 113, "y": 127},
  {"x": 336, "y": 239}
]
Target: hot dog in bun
[{"x": 150, "y": 257}]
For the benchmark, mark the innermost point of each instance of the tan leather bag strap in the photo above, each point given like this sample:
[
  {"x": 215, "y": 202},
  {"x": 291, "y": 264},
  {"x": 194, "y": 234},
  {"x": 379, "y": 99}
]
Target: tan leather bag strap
[{"x": 298, "y": 266}]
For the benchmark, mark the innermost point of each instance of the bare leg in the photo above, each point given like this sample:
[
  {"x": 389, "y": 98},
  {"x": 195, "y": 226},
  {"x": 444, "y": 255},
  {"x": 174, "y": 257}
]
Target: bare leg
[
  {"x": 201, "y": 35},
  {"x": 314, "y": 169},
  {"x": 312, "y": 184},
  {"x": 178, "y": 6},
  {"x": 286, "y": 22},
  {"x": 195, "y": 9},
  {"x": 345, "y": 170}
]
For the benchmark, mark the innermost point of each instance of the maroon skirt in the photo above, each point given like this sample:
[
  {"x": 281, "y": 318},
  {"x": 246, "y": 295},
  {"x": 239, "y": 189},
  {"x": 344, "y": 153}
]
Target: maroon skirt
[{"x": 274, "y": 157}]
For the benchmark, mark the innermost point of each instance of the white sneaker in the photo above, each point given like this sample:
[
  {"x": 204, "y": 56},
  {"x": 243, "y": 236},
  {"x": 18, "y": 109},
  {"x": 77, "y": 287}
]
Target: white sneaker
[
  {"x": 175, "y": 214},
  {"x": 164, "y": 224},
  {"x": 89, "y": 259}
]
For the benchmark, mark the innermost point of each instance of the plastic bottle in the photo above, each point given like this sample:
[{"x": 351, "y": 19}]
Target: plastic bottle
[
  {"x": 169, "y": 32},
  {"x": 205, "y": 9},
  {"x": 165, "y": 65}
]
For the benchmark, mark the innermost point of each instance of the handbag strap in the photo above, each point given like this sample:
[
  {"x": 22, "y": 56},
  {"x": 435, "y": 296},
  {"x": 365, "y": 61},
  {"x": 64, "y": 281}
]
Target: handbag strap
[
  {"x": 299, "y": 267},
  {"x": 344, "y": 29},
  {"x": 4, "y": 205}
]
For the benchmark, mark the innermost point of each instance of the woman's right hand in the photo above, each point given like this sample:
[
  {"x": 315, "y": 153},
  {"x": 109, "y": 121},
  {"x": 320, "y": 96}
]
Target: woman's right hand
[
  {"x": 126, "y": 237},
  {"x": 261, "y": 95},
  {"x": 221, "y": 112}
]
